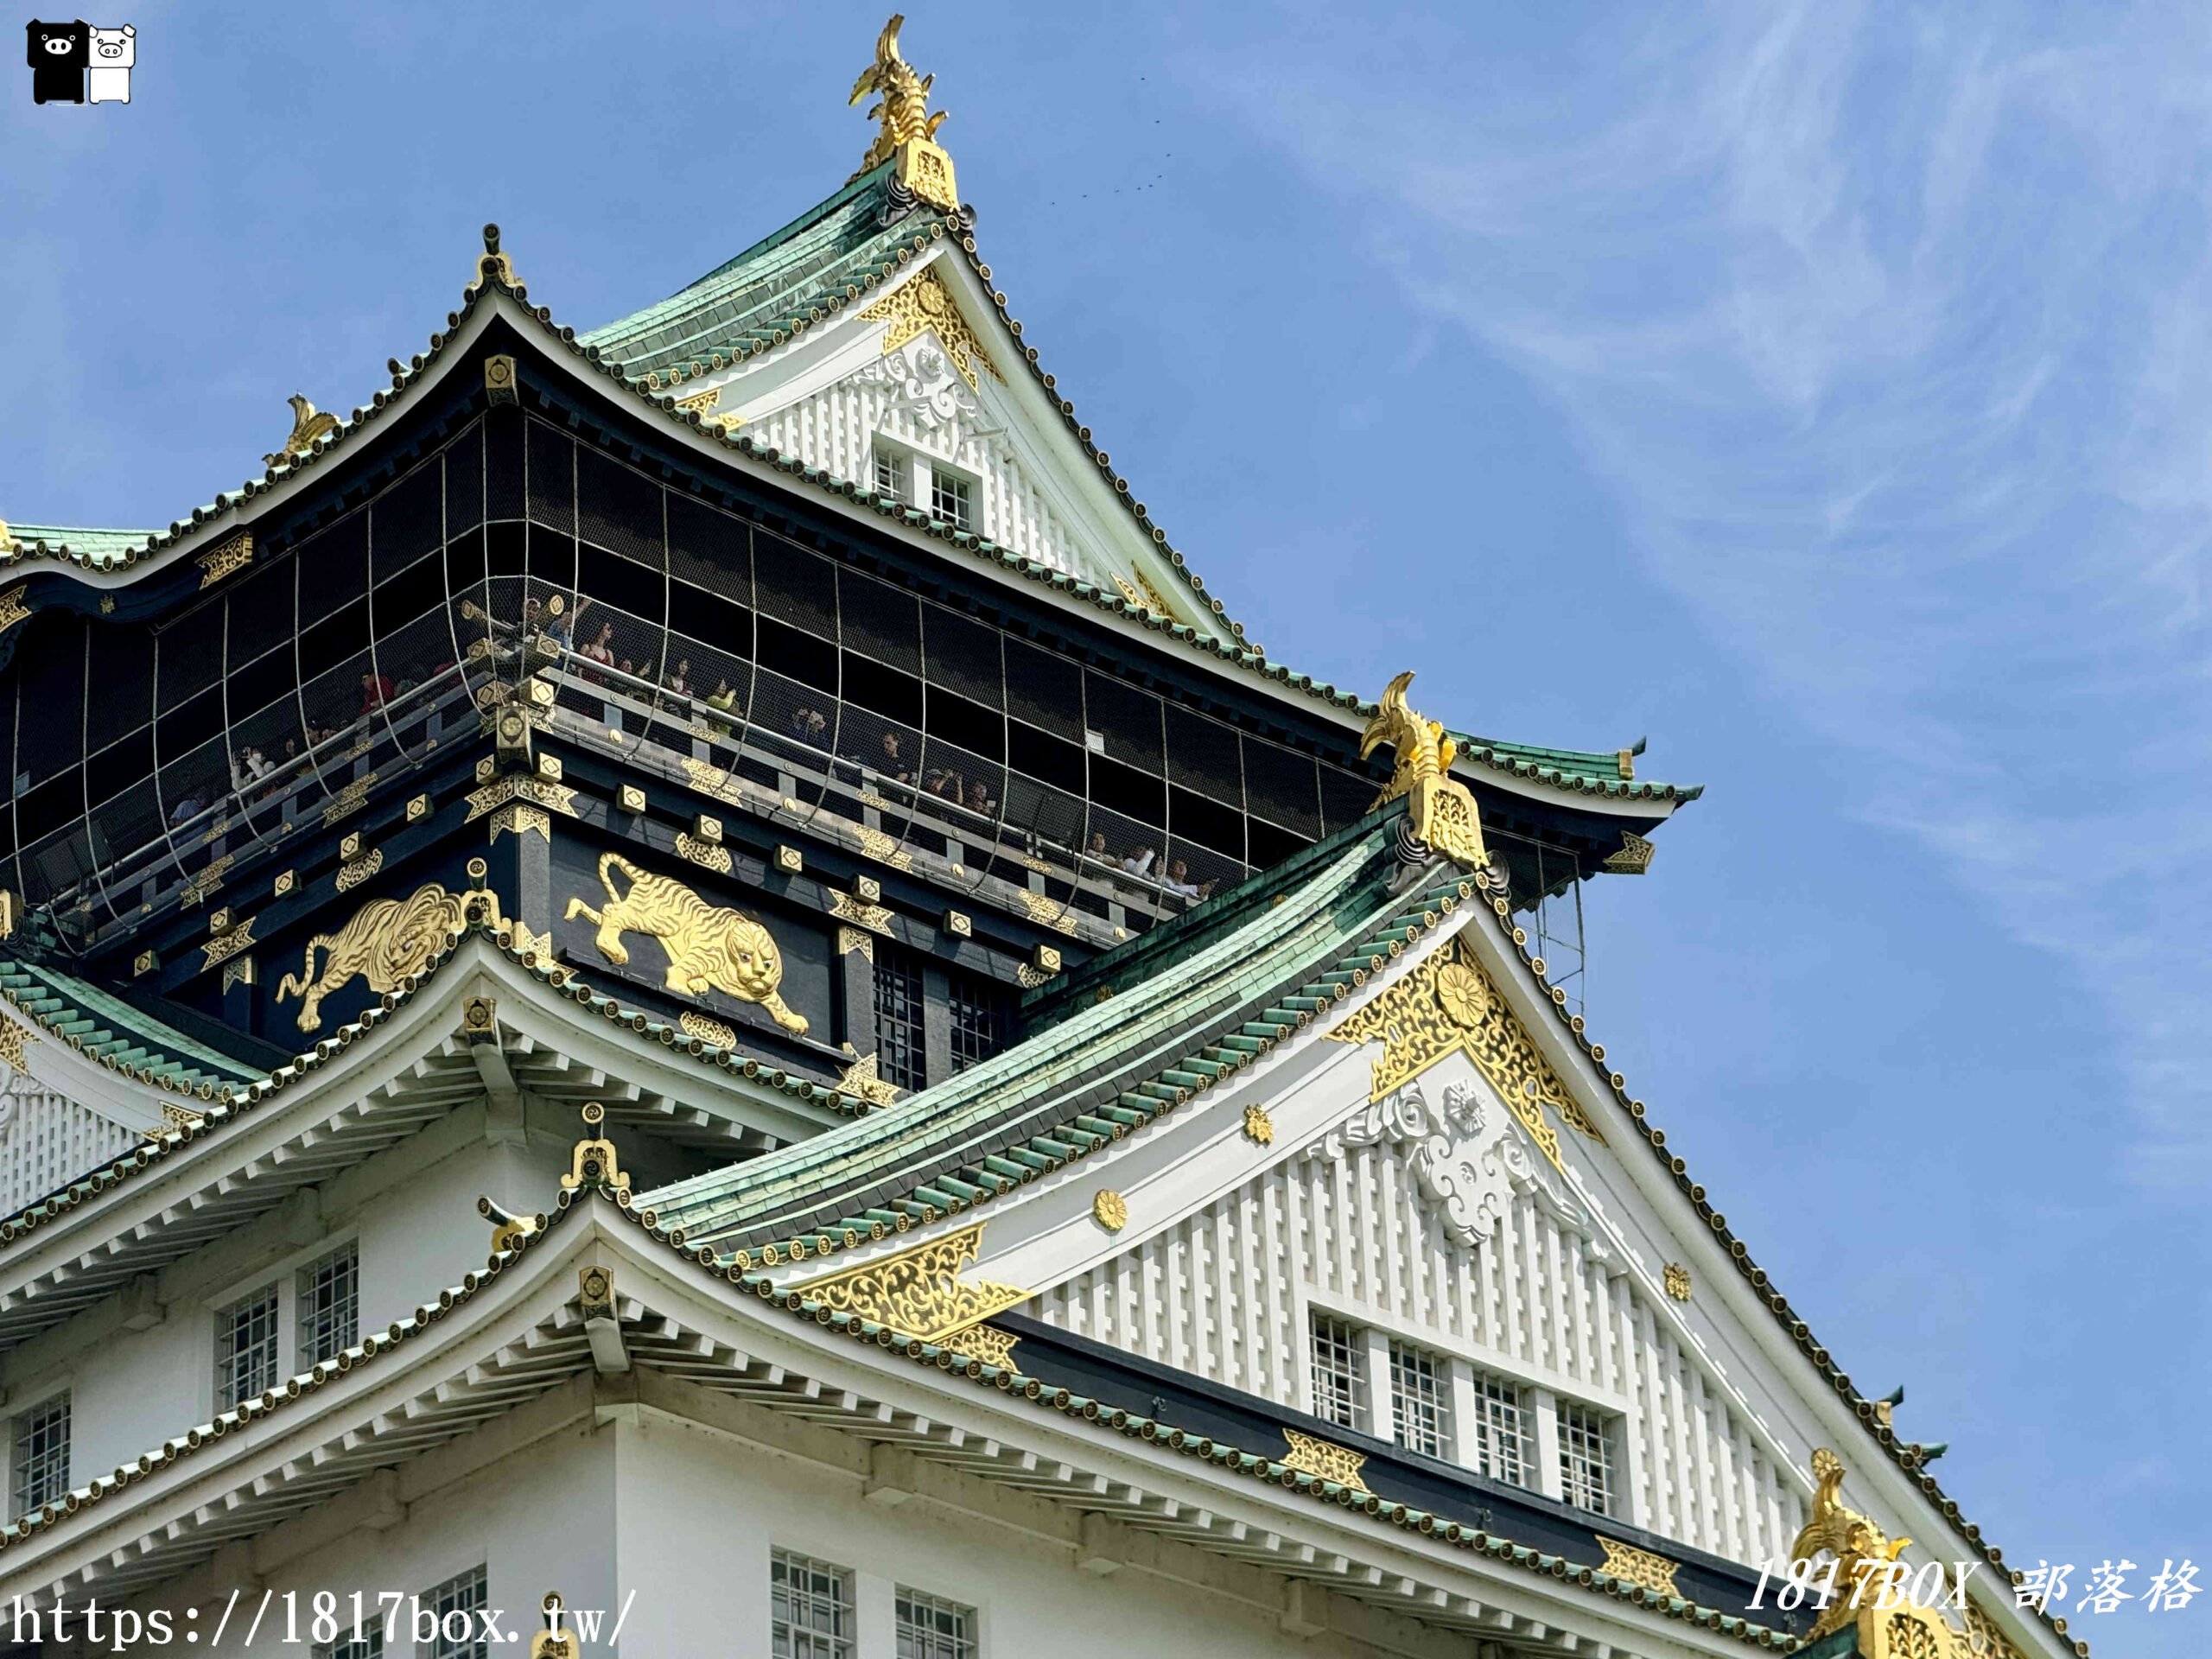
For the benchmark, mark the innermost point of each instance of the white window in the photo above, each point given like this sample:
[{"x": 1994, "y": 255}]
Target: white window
[
  {"x": 949, "y": 499},
  {"x": 891, "y": 474},
  {"x": 810, "y": 1608},
  {"x": 1420, "y": 1399},
  {"x": 370, "y": 1646},
  {"x": 245, "y": 1348},
  {"x": 39, "y": 1464},
  {"x": 457, "y": 1604},
  {"x": 327, "y": 1293},
  {"x": 1586, "y": 1459},
  {"x": 1497, "y": 1442},
  {"x": 931, "y": 1627},
  {"x": 1337, "y": 1350}
]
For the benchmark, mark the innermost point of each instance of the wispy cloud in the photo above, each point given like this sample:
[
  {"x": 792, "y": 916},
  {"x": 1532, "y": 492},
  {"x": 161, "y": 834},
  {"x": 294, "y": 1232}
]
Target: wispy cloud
[{"x": 1891, "y": 332}]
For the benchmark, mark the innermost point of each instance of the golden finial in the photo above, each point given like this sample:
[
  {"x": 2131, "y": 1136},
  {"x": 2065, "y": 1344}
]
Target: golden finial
[
  {"x": 1442, "y": 810},
  {"x": 308, "y": 423},
  {"x": 907, "y": 129}
]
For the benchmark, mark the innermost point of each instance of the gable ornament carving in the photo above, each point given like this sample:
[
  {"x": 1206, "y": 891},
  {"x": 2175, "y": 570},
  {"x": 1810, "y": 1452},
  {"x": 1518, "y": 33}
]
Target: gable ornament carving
[
  {"x": 1466, "y": 1167},
  {"x": 923, "y": 304},
  {"x": 1448, "y": 1005}
]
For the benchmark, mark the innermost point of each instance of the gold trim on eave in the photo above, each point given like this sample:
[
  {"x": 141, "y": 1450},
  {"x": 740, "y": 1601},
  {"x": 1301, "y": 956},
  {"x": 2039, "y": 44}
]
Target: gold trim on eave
[
  {"x": 1442, "y": 811},
  {"x": 917, "y": 1291},
  {"x": 219, "y": 562},
  {"x": 1640, "y": 1567},
  {"x": 12, "y": 608},
  {"x": 1310, "y": 1455}
]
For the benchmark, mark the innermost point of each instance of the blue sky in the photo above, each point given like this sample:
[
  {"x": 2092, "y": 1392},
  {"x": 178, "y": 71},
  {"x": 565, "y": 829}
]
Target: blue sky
[{"x": 1821, "y": 390}]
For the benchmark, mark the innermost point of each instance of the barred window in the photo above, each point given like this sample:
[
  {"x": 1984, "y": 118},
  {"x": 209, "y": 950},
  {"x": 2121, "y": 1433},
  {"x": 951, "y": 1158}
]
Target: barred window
[
  {"x": 245, "y": 1348},
  {"x": 1586, "y": 1459},
  {"x": 949, "y": 498},
  {"x": 39, "y": 1467},
  {"x": 891, "y": 473},
  {"x": 931, "y": 1627},
  {"x": 898, "y": 1017},
  {"x": 370, "y": 1646},
  {"x": 1497, "y": 1442},
  {"x": 978, "y": 1021},
  {"x": 329, "y": 1299},
  {"x": 458, "y": 1602},
  {"x": 1421, "y": 1400},
  {"x": 810, "y": 1608},
  {"x": 1337, "y": 1352}
]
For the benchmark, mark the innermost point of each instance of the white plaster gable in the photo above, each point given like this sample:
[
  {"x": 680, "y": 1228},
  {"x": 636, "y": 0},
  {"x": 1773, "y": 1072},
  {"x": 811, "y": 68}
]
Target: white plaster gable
[{"x": 836, "y": 395}]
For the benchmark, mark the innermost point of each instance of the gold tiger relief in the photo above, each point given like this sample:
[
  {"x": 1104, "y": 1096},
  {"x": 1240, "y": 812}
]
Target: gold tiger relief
[
  {"x": 387, "y": 940},
  {"x": 708, "y": 946}
]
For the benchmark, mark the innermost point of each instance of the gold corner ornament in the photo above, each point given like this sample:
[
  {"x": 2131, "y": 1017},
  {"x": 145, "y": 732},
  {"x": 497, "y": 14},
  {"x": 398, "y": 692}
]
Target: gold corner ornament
[
  {"x": 593, "y": 1158},
  {"x": 1443, "y": 812},
  {"x": 708, "y": 947},
  {"x": 1325, "y": 1459},
  {"x": 310, "y": 426},
  {"x": 917, "y": 1292},
  {"x": 863, "y": 1078},
  {"x": 923, "y": 304},
  {"x": 906, "y": 129},
  {"x": 1634, "y": 857},
  {"x": 692, "y": 1023},
  {"x": 1446, "y": 1005},
  {"x": 1638, "y": 1567},
  {"x": 12, "y": 608},
  {"x": 235, "y": 554}
]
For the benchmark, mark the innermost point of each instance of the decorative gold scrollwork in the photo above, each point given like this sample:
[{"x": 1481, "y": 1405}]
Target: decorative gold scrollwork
[
  {"x": 1325, "y": 1459},
  {"x": 694, "y": 1024},
  {"x": 708, "y": 947},
  {"x": 1634, "y": 1566},
  {"x": 1448, "y": 1005},
  {"x": 923, "y": 304},
  {"x": 918, "y": 1292},
  {"x": 862, "y": 1077},
  {"x": 234, "y": 555}
]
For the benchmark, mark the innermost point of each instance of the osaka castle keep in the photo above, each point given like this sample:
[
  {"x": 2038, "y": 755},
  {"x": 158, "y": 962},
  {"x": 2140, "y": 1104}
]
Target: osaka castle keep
[{"x": 688, "y": 968}]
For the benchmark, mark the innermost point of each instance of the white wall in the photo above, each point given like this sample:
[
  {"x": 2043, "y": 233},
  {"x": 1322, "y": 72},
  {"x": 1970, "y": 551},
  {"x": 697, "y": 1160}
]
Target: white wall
[{"x": 412, "y": 1211}]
